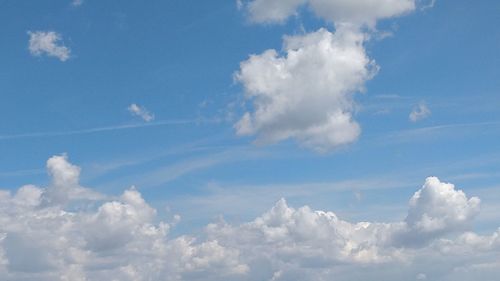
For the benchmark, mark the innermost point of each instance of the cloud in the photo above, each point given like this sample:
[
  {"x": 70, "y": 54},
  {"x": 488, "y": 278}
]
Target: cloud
[
  {"x": 360, "y": 12},
  {"x": 307, "y": 93},
  {"x": 106, "y": 129},
  {"x": 141, "y": 112},
  {"x": 77, "y": 3},
  {"x": 419, "y": 112},
  {"x": 427, "y": 4},
  {"x": 124, "y": 239},
  {"x": 48, "y": 43},
  {"x": 64, "y": 186}
]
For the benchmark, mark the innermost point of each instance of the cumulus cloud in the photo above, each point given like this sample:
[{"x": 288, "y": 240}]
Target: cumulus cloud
[
  {"x": 48, "y": 43},
  {"x": 419, "y": 112},
  {"x": 64, "y": 186},
  {"x": 124, "y": 239},
  {"x": 306, "y": 92},
  {"x": 141, "y": 112}
]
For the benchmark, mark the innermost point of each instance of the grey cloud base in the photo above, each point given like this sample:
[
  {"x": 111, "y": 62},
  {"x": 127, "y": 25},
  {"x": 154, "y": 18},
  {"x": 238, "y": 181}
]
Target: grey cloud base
[{"x": 122, "y": 239}]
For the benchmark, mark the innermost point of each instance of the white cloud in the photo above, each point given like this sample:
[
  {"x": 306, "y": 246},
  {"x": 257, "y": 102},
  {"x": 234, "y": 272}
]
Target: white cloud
[
  {"x": 263, "y": 11},
  {"x": 421, "y": 276},
  {"x": 123, "y": 239},
  {"x": 438, "y": 206},
  {"x": 419, "y": 112},
  {"x": 307, "y": 93},
  {"x": 120, "y": 240},
  {"x": 141, "y": 112},
  {"x": 359, "y": 12},
  {"x": 77, "y": 3},
  {"x": 48, "y": 43},
  {"x": 427, "y": 4},
  {"x": 65, "y": 186}
]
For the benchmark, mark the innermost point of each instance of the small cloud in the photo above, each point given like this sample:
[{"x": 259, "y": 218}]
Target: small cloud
[
  {"x": 239, "y": 4},
  {"x": 427, "y": 4},
  {"x": 77, "y": 3},
  {"x": 420, "y": 112},
  {"x": 48, "y": 43},
  {"x": 421, "y": 276},
  {"x": 141, "y": 112}
]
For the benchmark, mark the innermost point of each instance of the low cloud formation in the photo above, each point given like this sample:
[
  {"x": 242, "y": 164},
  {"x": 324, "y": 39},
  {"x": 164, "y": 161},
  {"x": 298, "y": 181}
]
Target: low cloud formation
[
  {"x": 141, "y": 112},
  {"x": 48, "y": 43},
  {"x": 306, "y": 91},
  {"x": 123, "y": 239},
  {"x": 420, "y": 112}
]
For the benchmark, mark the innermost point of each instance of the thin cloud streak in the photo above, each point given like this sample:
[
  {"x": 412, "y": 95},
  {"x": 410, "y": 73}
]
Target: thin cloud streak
[
  {"x": 412, "y": 134},
  {"x": 104, "y": 129}
]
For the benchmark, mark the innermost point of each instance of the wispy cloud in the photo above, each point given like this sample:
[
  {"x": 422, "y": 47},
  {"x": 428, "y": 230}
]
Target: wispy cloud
[
  {"x": 420, "y": 112},
  {"x": 103, "y": 129},
  {"x": 77, "y": 3},
  {"x": 433, "y": 131},
  {"x": 173, "y": 171},
  {"x": 48, "y": 43},
  {"x": 141, "y": 111}
]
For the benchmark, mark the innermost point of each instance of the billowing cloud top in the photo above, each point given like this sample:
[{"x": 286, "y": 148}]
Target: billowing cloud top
[
  {"x": 307, "y": 93},
  {"x": 122, "y": 239}
]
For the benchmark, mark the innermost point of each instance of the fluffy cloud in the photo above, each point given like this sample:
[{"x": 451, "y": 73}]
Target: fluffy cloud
[
  {"x": 65, "y": 186},
  {"x": 306, "y": 94},
  {"x": 419, "y": 112},
  {"x": 141, "y": 112},
  {"x": 358, "y": 12},
  {"x": 47, "y": 43},
  {"x": 123, "y": 239}
]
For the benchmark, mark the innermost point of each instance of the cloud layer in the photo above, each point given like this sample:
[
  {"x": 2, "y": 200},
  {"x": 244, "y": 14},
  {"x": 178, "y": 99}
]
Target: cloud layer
[
  {"x": 48, "y": 43},
  {"x": 95, "y": 237}
]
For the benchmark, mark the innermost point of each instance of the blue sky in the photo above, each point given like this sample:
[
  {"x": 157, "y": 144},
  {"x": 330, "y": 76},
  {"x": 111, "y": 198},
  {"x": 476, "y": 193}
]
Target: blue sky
[{"x": 184, "y": 63}]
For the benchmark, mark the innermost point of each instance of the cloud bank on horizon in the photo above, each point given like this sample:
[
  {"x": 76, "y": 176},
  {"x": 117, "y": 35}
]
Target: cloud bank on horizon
[
  {"x": 307, "y": 92},
  {"x": 67, "y": 232}
]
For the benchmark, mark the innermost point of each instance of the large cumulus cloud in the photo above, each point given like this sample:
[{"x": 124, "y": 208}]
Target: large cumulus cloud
[
  {"x": 306, "y": 94},
  {"x": 107, "y": 238},
  {"x": 306, "y": 91}
]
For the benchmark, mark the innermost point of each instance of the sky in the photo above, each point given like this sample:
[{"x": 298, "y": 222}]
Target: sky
[{"x": 249, "y": 140}]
